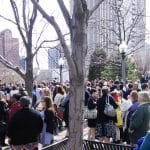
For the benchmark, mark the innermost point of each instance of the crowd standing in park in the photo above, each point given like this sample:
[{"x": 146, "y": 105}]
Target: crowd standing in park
[{"x": 116, "y": 112}]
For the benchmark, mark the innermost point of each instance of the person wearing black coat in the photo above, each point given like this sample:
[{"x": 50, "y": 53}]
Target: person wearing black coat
[
  {"x": 105, "y": 127},
  {"x": 25, "y": 126},
  {"x": 3, "y": 121},
  {"x": 92, "y": 104}
]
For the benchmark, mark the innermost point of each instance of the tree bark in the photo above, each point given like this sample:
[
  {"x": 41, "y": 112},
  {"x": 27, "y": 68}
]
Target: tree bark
[
  {"x": 75, "y": 116},
  {"x": 29, "y": 73},
  {"x": 79, "y": 48},
  {"x": 76, "y": 61}
]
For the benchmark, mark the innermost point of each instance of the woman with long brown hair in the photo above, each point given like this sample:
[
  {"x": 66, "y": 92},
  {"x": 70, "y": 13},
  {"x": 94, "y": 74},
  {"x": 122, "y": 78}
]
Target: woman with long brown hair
[{"x": 48, "y": 120}]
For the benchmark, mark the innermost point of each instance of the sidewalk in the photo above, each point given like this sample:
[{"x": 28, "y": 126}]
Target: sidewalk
[{"x": 61, "y": 135}]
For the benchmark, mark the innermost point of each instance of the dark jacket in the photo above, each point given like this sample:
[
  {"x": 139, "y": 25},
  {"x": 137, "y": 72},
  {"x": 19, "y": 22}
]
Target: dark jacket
[
  {"x": 86, "y": 97},
  {"x": 140, "y": 122},
  {"x": 49, "y": 120},
  {"x": 24, "y": 127},
  {"x": 65, "y": 105},
  {"x": 3, "y": 111},
  {"x": 146, "y": 143},
  {"x": 101, "y": 106},
  {"x": 131, "y": 110},
  {"x": 92, "y": 104}
]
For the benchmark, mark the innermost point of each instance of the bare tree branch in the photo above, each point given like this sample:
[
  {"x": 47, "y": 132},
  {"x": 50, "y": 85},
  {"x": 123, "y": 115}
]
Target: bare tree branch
[
  {"x": 65, "y": 13},
  {"x": 7, "y": 19},
  {"x": 24, "y": 16},
  {"x": 46, "y": 41},
  {"x": 42, "y": 31},
  {"x": 52, "y": 21},
  {"x": 16, "y": 15},
  {"x": 9, "y": 65},
  {"x": 95, "y": 7}
]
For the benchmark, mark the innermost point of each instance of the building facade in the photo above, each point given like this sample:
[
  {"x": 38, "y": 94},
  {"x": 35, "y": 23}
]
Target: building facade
[
  {"x": 54, "y": 54},
  {"x": 9, "y": 47},
  {"x": 115, "y": 21}
]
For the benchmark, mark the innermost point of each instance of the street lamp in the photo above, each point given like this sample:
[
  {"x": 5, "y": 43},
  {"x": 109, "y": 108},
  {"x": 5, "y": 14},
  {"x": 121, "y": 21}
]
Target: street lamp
[
  {"x": 61, "y": 63},
  {"x": 122, "y": 49}
]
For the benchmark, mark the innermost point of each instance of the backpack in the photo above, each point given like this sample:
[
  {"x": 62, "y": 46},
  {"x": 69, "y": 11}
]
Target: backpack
[{"x": 109, "y": 109}]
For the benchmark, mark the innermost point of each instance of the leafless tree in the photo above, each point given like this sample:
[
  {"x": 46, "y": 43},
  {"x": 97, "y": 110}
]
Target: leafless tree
[
  {"x": 25, "y": 22},
  {"x": 124, "y": 26},
  {"x": 77, "y": 24}
]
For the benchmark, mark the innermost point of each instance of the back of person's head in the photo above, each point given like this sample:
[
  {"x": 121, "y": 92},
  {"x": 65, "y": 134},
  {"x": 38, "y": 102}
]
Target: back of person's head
[
  {"x": 130, "y": 86},
  {"x": 61, "y": 90},
  {"x": 25, "y": 101},
  {"x": 144, "y": 97},
  {"x": 16, "y": 96},
  {"x": 105, "y": 90},
  {"x": 121, "y": 86},
  {"x": 144, "y": 86},
  {"x": 93, "y": 90},
  {"x": 134, "y": 95},
  {"x": 48, "y": 103},
  {"x": 14, "y": 88},
  {"x": 46, "y": 92}
]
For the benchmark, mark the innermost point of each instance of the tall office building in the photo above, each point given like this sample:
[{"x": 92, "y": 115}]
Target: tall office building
[
  {"x": 9, "y": 47},
  {"x": 139, "y": 33},
  {"x": 53, "y": 58},
  {"x": 54, "y": 54},
  {"x": 106, "y": 29}
]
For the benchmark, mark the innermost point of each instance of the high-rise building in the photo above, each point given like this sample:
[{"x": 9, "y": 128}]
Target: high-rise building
[
  {"x": 115, "y": 21},
  {"x": 53, "y": 58},
  {"x": 9, "y": 47},
  {"x": 54, "y": 54}
]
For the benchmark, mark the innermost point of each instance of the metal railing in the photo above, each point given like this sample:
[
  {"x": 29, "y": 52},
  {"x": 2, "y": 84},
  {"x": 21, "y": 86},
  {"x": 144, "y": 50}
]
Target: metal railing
[{"x": 89, "y": 145}]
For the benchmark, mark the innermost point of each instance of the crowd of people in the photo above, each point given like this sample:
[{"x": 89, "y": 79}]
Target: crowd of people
[
  {"x": 131, "y": 102},
  {"x": 25, "y": 121}
]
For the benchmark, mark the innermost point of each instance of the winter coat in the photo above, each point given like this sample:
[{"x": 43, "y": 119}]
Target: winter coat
[
  {"x": 3, "y": 111},
  {"x": 146, "y": 143},
  {"x": 49, "y": 120},
  {"x": 24, "y": 127},
  {"x": 101, "y": 117},
  {"x": 140, "y": 122},
  {"x": 131, "y": 110}
]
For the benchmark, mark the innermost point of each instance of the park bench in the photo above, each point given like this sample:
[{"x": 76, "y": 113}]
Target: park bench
[{"x": 89, "y": 145}]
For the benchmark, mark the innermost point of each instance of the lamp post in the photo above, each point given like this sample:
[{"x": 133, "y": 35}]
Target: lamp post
[
  {"x": 61, "y": 63},
  {"x": 122, "y": 49}
]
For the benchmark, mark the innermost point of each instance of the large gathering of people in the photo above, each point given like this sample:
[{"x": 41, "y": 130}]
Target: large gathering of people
[
  {"x": 27, "y": 121},
  {"x": 131, "y": 102}
]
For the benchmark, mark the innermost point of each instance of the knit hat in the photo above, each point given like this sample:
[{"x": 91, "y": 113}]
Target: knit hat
[{"x": 25, "y": 101}]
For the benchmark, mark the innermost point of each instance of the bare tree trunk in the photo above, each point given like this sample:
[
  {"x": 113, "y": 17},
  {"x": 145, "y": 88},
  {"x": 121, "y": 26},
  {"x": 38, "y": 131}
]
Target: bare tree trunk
[
  {"x": 76, "y": 61},
  {"x": 79, "y": 48},
  {"x": 75, "y": 116},
  {"x": 29, "y": 73}
]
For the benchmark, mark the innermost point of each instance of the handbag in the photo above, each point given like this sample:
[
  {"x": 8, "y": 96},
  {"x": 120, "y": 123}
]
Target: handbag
[
  {"x": 90, "y": 114},
  {"x": 109, "y": 109}
]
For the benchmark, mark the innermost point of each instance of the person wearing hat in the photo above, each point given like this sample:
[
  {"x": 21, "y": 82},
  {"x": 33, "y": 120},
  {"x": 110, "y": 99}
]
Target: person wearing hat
[{"x": 25, "y": 126}]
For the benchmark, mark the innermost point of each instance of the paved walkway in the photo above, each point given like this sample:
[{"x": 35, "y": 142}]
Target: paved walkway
[{"x": 61, "y": 135}]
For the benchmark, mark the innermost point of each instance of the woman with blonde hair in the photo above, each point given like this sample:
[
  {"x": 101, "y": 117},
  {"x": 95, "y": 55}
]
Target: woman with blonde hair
[
  {"x": 48, "y": 120},
  {"x": 140, "y": 120}
]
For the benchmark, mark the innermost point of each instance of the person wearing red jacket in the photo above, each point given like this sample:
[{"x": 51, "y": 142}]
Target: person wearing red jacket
[{"x": 15, "y": 105}]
